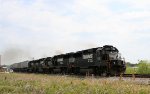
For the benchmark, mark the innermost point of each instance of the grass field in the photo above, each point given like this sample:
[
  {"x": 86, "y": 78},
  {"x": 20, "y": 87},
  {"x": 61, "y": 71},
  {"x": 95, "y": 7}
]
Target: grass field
[{"x": 13, "y": 83}]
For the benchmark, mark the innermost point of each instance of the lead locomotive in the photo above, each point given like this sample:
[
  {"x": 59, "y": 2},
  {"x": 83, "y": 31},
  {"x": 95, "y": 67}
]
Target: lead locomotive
[{"x": 104, "y": 60}]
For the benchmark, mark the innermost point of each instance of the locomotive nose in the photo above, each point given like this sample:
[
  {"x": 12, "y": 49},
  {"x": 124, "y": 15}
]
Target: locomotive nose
[
  {"x": 117, "y": 66},
  {"x": 117, "y": 62}
]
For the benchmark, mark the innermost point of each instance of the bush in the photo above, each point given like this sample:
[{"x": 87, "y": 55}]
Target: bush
[
  {"x": 144, "y": 67},
  {"x": 130, "y": 70}
]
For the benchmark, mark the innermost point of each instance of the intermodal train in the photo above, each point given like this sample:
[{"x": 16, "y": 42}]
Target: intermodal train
[{"x": 104, "y": 60}]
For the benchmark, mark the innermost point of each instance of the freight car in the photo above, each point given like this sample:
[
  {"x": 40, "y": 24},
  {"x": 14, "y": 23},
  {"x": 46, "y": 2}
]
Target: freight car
[
  {"x": 104, "y": 60},
  {"x": 20, "y": 67}
]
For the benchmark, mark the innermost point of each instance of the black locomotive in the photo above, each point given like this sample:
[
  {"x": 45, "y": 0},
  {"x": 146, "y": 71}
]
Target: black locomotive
[{"x": 104, "y": 60}]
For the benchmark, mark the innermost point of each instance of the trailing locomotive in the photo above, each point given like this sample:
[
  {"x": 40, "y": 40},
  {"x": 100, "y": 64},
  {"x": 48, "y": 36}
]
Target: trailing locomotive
[{"x": 104, "y": 60}]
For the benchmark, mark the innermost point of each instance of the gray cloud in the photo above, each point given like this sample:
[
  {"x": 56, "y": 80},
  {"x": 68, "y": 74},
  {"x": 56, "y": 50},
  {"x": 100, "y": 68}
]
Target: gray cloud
[{"x": 14, "y": 54}]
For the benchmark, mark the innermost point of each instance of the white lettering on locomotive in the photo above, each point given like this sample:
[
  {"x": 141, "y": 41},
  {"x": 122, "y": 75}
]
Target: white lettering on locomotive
[
  {"x": 59, "y": 59},
  {"x": 61, "y": 62},
  {"x": 90, "y": 60},
  {"x": 49, "y": 63},
  {"x": 88, "y": 56},
  {"x": 72, "y": 59}
]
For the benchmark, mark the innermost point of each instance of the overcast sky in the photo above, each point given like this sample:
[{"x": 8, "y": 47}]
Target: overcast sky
[{"x": 41, "y": 28}]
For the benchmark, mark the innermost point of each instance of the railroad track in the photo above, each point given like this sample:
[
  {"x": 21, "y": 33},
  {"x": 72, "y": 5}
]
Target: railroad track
[
  {"x": 123, "y": 75},
  {"x": 135, "y": 75},
  {"x": 95, "y": 76}
]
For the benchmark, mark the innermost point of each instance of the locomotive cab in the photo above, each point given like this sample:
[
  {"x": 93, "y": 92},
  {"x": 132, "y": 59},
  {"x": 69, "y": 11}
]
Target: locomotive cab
[{"x": 111, "y": 60}]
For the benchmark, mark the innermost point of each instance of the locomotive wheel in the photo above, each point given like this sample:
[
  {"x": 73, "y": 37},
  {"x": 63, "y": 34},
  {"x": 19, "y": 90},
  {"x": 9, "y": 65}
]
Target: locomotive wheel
[
  {"x": 63, "y": 71},
  {"x": 96, "y": 71},
  {"x": 104, "y": 74},
  {"x": 77, "y": 70}
]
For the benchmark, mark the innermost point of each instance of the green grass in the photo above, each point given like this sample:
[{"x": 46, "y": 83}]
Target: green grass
[{"x": 14, "y": 83}]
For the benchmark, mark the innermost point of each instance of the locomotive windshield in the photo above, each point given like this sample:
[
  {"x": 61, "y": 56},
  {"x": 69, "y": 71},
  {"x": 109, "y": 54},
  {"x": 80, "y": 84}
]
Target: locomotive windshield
[
  {"x": 114, "y": 54},
  {"x": 111, "y": 49},
  {"x": 111, "y": 53}
]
